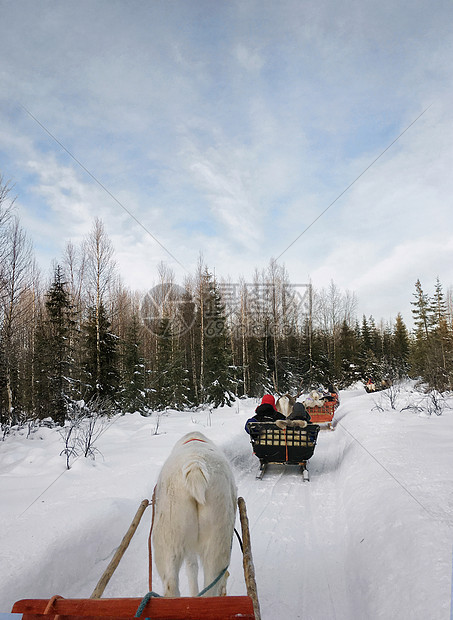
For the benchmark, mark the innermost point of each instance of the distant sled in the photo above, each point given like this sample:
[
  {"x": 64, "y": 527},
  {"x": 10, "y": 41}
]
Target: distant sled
[
  {"x": 323, "y": 414},
  {"x": 321, "y": 408},
  {"x": 371, "y": 386}
]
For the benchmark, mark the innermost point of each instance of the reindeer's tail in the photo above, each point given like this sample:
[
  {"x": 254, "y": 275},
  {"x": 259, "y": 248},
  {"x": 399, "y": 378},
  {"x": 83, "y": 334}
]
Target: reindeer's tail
[{"x": 196, "y": 478}]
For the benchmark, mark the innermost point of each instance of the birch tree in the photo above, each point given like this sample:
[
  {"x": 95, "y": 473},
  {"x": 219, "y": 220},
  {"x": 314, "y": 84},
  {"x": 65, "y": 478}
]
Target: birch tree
[
  {"x": 16, "y": 268},
  {"x": 100, "y": 271}
]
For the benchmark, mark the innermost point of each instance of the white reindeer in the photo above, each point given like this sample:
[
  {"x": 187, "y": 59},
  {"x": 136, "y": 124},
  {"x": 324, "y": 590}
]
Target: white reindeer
[{"x": 195, "y": 511}]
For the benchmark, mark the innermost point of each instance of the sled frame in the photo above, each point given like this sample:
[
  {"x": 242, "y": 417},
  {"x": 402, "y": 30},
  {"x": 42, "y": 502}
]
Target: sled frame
[
  {"x": 161, "y": 608},
  {"x": 323, "y": 414},
  {"x": 291, "y": 445}
]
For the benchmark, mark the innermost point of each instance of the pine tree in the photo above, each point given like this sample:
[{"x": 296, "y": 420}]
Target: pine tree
[
  {"x": 133, "y": 374},
  {"x": 170, "y": 378},
  {"x": 53, "y": 350},
  {"x": 291, "y": 354},
  {"x": 316, "y": 369},
  {"x": 438, "y": 306},
  {"x": 400, "y": 347},
  {"x": 366, "y": 337},
  {"x": 421, "y": 312},
  {"x": 348, "y": 351},
  {"x": 376, "y": 339},
  {"x": 179, "y": 394},
  {"x": 370, "y": 355},
  {"x": 257, "y": 369},
  {"x": 432, "y": 349},
  {"x": 440, "y": 348},
  {"x": 101, "y": 356},
  {"x": 218, "y": 377},
  {"x": 188, "y": 346},
  {"x": 424, "y": 354},
  {"x": 161, "y": 388}
]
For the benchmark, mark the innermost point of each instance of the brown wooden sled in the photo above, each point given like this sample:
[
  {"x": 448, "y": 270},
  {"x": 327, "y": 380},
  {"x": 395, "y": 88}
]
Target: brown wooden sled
[
  {"x": 324, "y": 414},
  {"x": 218, "y": 607},
  {"x": 186, "y": 608}
]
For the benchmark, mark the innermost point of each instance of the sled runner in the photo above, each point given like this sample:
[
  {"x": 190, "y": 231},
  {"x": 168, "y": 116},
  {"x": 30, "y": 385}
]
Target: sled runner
[
  {"x": 292, "y": 445},
  {"x": 151, "y": 606}
]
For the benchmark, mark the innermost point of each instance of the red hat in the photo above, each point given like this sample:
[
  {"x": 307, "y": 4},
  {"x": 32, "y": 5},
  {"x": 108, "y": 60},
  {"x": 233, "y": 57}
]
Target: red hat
[{"x": 268, "y": 399}]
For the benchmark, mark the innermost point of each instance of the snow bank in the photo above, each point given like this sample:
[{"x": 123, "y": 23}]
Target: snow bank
[{"x": 369, "y": 537}]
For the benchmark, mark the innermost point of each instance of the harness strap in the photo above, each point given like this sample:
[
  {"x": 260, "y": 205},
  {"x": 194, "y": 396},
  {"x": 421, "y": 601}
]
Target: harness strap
[
  {"x": 144, "y": 603},
  {"x": 150, "y": 548},
  {"x": 145, "y": 600},
  {"x": 239, "y": 540},
  {"x": 211, "y": 585},
  {"x": 194, "y": 439},
  {"x": 50, "y": 604}
]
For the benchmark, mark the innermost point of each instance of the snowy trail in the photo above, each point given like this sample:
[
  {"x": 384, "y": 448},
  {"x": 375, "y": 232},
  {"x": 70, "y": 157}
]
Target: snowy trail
[
  {"x": 298, "y": 533},
  {"x": 370, "y": 536},
  {"x": 301, "y": 565}
]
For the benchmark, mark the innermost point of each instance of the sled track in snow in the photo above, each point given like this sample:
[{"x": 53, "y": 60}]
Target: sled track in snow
[{"x": 304, "y": 526}]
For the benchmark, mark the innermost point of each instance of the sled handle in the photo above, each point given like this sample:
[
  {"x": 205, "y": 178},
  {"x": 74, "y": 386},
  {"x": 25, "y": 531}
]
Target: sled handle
[
  {"x": 103, "y": 581},
  {"x": 249, "y": 569}
]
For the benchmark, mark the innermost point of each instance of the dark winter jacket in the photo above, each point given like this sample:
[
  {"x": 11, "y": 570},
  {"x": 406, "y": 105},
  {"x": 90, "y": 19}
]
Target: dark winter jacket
[
  {"x": 299, "y": 413},
  {"x": 264, "y": 413}
]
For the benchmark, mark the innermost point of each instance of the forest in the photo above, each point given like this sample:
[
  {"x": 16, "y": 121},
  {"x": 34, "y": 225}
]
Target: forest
[{"x": 82, "y": 339}]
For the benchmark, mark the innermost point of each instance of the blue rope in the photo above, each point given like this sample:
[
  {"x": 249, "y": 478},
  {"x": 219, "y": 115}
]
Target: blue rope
[
  {"x": 145, "y": 601},
  {"x": 213, "y": 583},
  {"x": 147, "y": 597}
]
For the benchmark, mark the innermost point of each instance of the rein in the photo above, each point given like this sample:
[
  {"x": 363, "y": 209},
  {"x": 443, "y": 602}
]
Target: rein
[{"x": 150, "y": 548}]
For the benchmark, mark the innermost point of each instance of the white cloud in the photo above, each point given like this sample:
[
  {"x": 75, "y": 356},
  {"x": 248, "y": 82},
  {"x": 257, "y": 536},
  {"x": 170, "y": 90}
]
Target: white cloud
[
  {"x": 250, "y": 59},
  {"x": 229, "y": 130}
]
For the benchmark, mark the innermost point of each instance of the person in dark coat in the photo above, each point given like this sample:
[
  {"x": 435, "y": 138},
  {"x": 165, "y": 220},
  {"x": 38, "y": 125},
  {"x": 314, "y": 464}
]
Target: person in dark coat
[
  {"x": 265, "y": 412},
  {"x": 332, "y": 394},
  {"x": 299, "y": 413},
  {"x": 298, "y": 417}
]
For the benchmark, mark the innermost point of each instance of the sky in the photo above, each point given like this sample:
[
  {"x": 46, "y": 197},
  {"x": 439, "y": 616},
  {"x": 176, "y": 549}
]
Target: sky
[{"x": 224, "y": 129}]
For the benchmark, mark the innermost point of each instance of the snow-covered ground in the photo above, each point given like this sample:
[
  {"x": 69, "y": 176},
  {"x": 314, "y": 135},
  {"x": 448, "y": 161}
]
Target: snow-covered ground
[{"x": 370, "y": 536}]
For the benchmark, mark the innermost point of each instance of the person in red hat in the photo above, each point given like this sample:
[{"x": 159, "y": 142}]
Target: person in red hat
[{"x": 265, "y": 412}]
